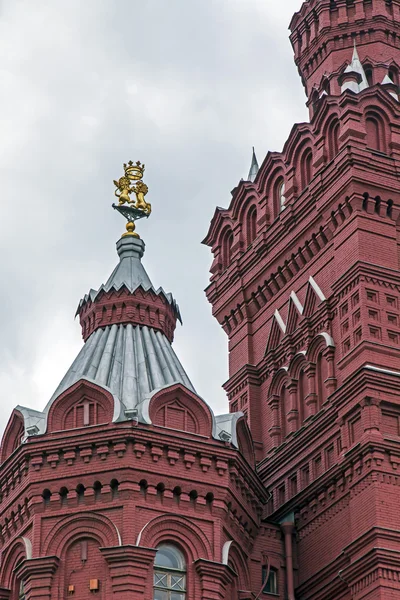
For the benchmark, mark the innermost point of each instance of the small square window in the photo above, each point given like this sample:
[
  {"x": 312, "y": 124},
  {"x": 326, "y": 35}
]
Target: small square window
[
  {"x": 393, "y": 319},
  {"x": 344, "y": 309},
  {"x": 391, "y": 301},
  {"x": 375, "y": 332},
  {"x": 373, "y": 314},
  {"x": 345, "y": 327},
  {"x": 357, "y": 335},
  {"x": 393, "y": 337},
  {"x": 346, "y": 345},
  {"x": 271, "y": 585},
  {"x": 234, "y": 406},
  {"x": 355, "y": 299},
  {"x": 356, "y": 317},
  {"x": 372, "y": 296}
]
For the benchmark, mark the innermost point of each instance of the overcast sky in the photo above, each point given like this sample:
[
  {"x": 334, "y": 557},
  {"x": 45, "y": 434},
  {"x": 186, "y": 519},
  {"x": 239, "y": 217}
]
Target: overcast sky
[{"x": 186, "y": 86}]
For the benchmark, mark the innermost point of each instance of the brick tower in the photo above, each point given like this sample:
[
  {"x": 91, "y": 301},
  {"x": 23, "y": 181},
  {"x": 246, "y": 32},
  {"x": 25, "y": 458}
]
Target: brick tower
[{"x": 305, "y": 282}]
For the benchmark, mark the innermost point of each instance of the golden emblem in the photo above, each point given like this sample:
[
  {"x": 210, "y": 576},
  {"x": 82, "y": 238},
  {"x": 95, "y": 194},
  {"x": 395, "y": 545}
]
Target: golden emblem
[
  {"x": 133, "y": 208},
  {"x": 133, "y": 172}
]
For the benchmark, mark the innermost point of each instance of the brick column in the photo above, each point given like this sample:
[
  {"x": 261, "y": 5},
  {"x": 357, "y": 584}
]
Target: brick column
[
  {"x": 275, "y": 430},
  {"x": 215, "y": 579},
  {"x": 293, "y": 416},
  {"x": 311, "y": 398},
  {"x": 130, "y": 568},
  {"x": 37, "y": 575},
  {"x": 371, "y": 416},
  {"x": 331, "y": 382}
]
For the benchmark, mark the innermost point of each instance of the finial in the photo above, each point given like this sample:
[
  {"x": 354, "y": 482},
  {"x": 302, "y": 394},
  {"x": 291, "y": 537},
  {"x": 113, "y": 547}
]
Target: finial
[
  {"x": 135, "y": 208},
  {"x": 254, "y": 168}
]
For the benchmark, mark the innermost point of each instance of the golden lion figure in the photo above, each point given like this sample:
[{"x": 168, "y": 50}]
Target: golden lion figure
[
  {"x": 141, "y": 190},
  {"x": 123, "y": 186}
]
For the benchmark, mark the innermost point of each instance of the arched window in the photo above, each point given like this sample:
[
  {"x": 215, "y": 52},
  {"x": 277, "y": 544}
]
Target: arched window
[
  {"x": 369, "y": 74},
  {"x": 169, "y": 574},
  {"x": 227, "y": 244},
  {"x": 251, "y": 225},
  {"x": 306, "y": 168},
  {"x": 375, "y": 130},
  {"x": 333, "y": 139},
  {"x": 394, "y": 75},
  {"x": 279, "y": 199}
]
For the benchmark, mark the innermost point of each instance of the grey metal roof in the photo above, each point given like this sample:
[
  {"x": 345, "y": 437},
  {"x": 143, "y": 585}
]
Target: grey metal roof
[
  {"x": 131, "y": 361},
  {"x": 129, "y": 273}
]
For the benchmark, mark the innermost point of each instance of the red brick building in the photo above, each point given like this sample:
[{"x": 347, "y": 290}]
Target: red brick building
[{"x": 128, "y": 486}]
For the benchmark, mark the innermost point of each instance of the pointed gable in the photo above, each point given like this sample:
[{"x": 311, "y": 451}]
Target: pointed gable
[
  {"x": 314, "y": 296},
  {"x": 294, "y": 313},
  {"x": 278, "y": 330}
]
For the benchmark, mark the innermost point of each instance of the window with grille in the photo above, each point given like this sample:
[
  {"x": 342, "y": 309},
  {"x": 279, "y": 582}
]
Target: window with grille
[{"x": 169, "y": 574}]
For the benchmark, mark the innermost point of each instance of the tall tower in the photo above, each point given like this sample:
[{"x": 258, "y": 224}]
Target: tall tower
[{"x": 305, "y": 281}]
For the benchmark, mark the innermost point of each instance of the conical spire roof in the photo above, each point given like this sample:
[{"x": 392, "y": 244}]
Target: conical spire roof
[{"x": 127, "y": 326}]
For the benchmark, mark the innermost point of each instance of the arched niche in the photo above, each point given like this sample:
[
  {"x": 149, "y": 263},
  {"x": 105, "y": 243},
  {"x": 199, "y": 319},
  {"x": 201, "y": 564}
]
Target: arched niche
[
  {"x": 376, "y": 131},
  {"x": 173, "y": 528},
  {"x": 18, "y": 551},
  {"x": 251, "y": 224},
  {"x": 83, "y": 404},
  {"x": 226, "y": 247},
  {"x": 13, "y": 435},
  {"x": 177, "y": 408}
]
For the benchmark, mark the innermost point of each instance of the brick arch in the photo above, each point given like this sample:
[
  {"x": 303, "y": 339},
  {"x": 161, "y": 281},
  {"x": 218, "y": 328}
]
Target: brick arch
[
  {"x": 72, "y": 528},
  {"x": 176, "y": 407},
  {"x": 234, "y": 556},
  {"x": 177, "y": 530},
  {"x": 18, "y": 551},
  {"x": 298, "y": 362},
  {"x": 321, "y": 341},
  {"x": 60, "y": 410},
  {"x": 280, "y": 378},
  {"x": 12, "y": 435}
]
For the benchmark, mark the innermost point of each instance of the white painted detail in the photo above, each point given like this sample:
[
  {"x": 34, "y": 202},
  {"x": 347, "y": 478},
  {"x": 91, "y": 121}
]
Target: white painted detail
[
  {"x": 380, "y": 370},
  {"x": 316, "y": 288},
  {"x": 280, "y": 321},
  {"x": 297, "y": 302},
  {"x": 225, "y": 552}
]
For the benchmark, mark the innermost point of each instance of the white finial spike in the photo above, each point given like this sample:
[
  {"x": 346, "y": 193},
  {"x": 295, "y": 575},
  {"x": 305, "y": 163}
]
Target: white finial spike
[
  {"x": 356, "y": 67},
  {"x": 254, "y": 168}
]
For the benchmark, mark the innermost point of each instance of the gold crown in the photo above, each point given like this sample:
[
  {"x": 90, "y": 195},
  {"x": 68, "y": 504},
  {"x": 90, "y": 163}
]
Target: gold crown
[{"x": 134, "y": 171}]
